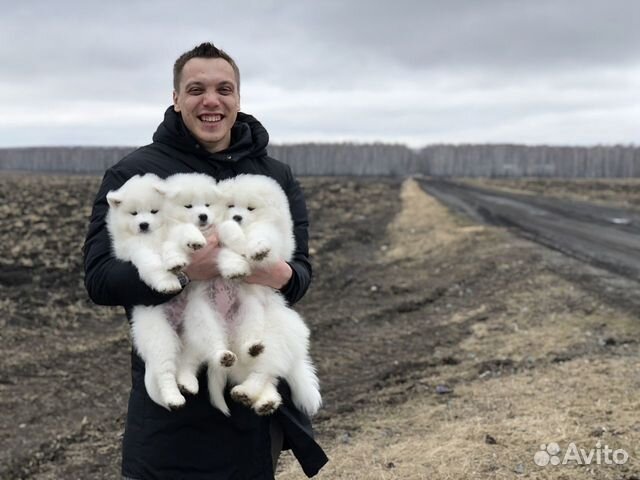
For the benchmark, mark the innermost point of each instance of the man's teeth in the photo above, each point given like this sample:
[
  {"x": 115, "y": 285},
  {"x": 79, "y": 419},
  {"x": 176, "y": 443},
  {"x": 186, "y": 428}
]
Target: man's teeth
[{"x": 211, "y": 118}]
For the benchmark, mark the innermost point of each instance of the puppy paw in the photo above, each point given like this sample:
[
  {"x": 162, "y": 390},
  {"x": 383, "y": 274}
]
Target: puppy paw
[
  {"x": 267, "y": 406},
  {"x": 226, "y": 358},
  {"x": 169, "y": 284},
  {"x": 254, "y": 348},
  {"x": 196, "y": 244},
  {"x": 172, "y": 400},
  {"x": 188, "y": 383},
  {"x": 176, "y": 262},
  {"x": 234, "y": 270},
  {"x": 239, "y": 395},
  {"x": 258, "y": 250}
]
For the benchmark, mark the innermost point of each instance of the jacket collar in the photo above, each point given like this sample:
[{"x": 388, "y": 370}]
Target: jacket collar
[{"x": 248, "y": 138}]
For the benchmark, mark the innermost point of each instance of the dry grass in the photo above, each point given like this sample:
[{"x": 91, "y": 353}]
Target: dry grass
[
  {"x": 565, "y": 388},
  {"x": 563, "y": 404},
  {"x": 424, "y": 225}
]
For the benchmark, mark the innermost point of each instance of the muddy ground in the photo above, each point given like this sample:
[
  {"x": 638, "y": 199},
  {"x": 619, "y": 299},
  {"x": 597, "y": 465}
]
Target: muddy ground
[{"x": 446, "y": 349}]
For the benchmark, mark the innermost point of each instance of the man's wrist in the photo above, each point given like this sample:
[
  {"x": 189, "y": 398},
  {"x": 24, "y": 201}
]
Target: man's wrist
[{"x": 287, "y": 275}]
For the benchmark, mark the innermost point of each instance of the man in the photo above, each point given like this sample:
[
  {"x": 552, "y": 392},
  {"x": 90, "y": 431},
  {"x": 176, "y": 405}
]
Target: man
[{"x": 204, "y": 131}]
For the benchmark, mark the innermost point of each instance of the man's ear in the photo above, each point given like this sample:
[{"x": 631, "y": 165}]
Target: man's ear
[
  {"x": 176, "y": 107},
  {"x": 114, "y": 199}
]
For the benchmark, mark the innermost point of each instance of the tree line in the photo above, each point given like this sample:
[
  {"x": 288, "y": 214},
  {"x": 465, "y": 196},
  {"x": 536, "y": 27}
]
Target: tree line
[{"x": 377, "y": 159}]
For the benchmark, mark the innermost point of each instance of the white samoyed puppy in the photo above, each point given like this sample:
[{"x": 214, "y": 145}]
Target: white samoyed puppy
[
  {"x": 139, "y": 228},
  {"x": 189, "y": 205},
  {"x": 270, "y": 338},
  {"x": 156, "y": 224}
]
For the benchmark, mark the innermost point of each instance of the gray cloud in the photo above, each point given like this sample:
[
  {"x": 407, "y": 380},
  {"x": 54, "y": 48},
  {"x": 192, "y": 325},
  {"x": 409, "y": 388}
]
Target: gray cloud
[{"x": 335, "y": 69}]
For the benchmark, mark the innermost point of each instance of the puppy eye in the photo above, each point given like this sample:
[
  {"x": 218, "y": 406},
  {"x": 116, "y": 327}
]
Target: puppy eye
[
  {"x": 231, "y": 205},
  {"x": 251, "y": 209},
  {"x": 154, "y": 211},
  {"x": 206, "y": 204},
  {"x": 188, "y": 206},
  {"x": 133, "y": 213}
]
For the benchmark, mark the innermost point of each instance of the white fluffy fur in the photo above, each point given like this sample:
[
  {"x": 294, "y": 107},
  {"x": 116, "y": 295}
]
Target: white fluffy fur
[
  {"x": 254, "y": 225},
  {"x": 190, "y": 202},
  {"x": 171, "y": 209},
  {"x": 257, "y": 228},
  {"x": 138, "y": 229}
]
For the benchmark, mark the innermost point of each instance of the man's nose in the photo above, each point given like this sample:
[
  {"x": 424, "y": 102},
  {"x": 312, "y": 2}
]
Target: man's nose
[{"x": 211, "y": 98}]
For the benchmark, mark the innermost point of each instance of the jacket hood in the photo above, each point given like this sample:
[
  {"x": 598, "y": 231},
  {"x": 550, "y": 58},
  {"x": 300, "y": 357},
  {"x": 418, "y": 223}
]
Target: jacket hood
[{"x": 248, "y": 138}]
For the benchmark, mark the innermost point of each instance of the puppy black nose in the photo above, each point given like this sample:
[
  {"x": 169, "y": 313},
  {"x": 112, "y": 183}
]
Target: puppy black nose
[
  {"x": 237, "y": 218},
  {"x": 203, "y": 217},
  {"x": 144, "y": 226}
]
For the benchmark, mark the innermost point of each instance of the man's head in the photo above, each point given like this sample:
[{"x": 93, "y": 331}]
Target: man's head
[{"x": 206, "y": 93}]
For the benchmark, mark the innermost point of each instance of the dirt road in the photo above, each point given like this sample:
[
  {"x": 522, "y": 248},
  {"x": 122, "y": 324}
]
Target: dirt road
[{"x": 603, "y": 235}]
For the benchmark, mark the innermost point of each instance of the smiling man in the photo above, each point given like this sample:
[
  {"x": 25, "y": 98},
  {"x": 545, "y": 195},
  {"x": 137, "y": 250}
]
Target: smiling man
[
  {"x": 203, "y": 131},
  {"x": 206, "y": 95}
]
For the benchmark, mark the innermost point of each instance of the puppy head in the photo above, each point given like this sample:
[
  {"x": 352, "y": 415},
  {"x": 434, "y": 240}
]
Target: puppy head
[
  {"x": 251, "y": 198},
  {"x": 191, "y": 197},
  {"x": 135, "y": 207}
]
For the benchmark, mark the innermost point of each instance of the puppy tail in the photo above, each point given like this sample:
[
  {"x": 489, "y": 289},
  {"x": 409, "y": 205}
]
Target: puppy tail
[
  {"x": 216, "y": 382},
  {"x": 305, "y": 388}
]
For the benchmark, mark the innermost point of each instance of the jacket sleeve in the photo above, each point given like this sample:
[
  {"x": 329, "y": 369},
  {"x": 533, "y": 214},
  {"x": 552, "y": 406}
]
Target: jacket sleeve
[
  {"x": 110, "y": 281},
  {"x": 295, "y": 289}
]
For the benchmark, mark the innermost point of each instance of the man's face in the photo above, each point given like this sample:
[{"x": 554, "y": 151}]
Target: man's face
[{"x": 208, "y": 100}]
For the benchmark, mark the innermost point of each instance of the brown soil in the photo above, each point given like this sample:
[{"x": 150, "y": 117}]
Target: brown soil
[{"x": 446, "y": 350}]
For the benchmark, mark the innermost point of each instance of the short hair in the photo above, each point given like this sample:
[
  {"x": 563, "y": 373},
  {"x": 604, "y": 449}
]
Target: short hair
[{"x": 204, "y": 50}]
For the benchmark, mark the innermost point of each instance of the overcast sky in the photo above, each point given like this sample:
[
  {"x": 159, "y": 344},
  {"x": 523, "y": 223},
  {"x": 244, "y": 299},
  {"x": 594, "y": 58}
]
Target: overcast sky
[{"x": 415, "y": 72}]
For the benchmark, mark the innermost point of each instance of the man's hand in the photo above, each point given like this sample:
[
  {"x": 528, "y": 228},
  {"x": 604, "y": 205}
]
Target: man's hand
[
  {"x": 204, "y": 262},
  {"x": 275, "y": 276}
]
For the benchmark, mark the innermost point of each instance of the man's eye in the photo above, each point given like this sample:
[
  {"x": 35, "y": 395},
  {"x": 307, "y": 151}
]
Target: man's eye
[
  {"x": 154, "y": 211},
  {"x": 188, "y": 206},
  {"x": 133, "y": 213},
  {"x": 251, "y": 209},
  {"x": 195, "y": 91}
]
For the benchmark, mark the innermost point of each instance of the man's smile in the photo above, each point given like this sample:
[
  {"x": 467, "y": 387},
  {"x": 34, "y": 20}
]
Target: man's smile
[{"x": 210, "y": 118}]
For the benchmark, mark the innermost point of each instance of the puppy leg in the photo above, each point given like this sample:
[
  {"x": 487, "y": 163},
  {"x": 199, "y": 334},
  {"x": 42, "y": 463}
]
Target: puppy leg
[
  {"x": 269, "y": 399},
  {"x": 258, "y": 391},
  {"x": 232, "y": 265},
  {"x": 159, "y": 346},
  {"x": 153, "y": 272},
  {"x": 248, "y": 391},
  {"x": 261, "y": 241},
  {"x": 251, "y": 324},
  {"x": 190, "y": 237},
  {"x": 258, "y": 249},
  {"x": 206, "y": 341},
  {"x": 173, "y": 257},
  {"x": 187, "y": 374},
  {"x": 230, "y": 234}
]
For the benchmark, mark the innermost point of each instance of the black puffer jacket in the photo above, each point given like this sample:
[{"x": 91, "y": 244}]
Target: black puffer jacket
[{"x": 198, "y": 442}]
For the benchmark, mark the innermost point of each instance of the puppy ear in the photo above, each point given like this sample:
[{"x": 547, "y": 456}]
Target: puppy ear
[
  {"x": 161, "y": 188},
  {"x": 114, "y": 199}
]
